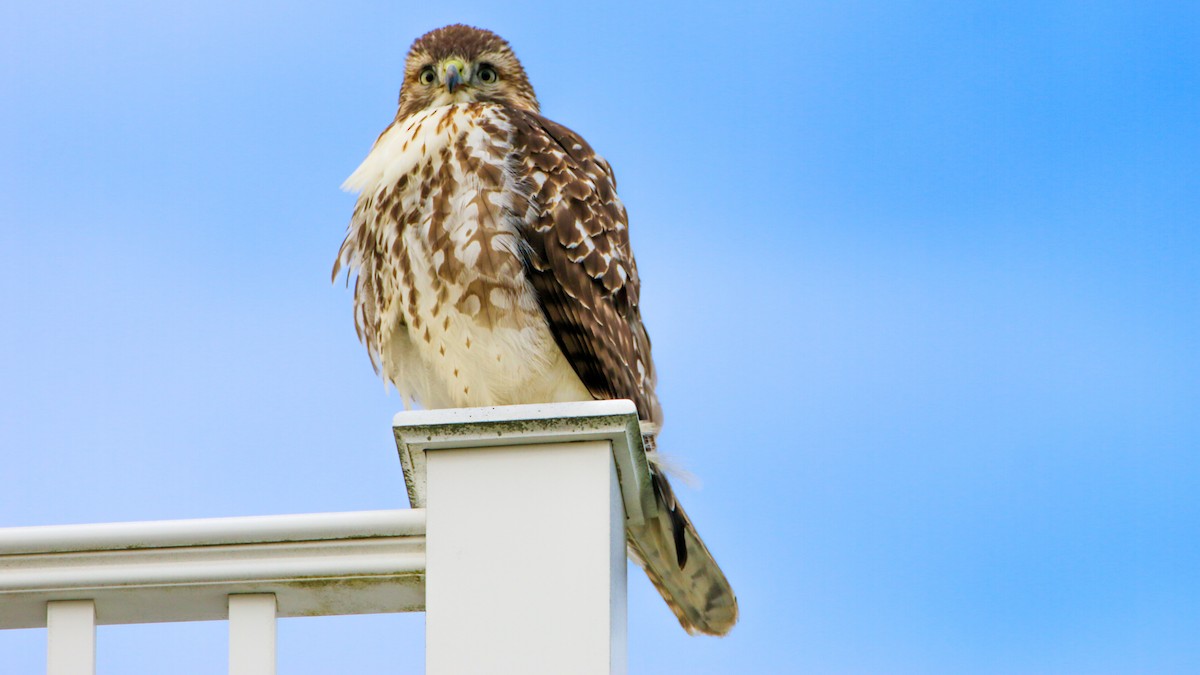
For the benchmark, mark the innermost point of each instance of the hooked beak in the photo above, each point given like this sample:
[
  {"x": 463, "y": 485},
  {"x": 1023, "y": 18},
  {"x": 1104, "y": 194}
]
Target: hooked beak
[{"x": 453, "y": 76}]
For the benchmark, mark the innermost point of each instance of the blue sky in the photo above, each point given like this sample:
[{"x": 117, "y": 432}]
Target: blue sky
[{"x": 922, "y": 280}]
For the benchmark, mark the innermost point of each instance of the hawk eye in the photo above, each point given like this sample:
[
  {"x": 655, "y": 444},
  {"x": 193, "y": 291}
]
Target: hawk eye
[
  {"x": 487, "y": 74},
  {"x": 427, "y": 75}
]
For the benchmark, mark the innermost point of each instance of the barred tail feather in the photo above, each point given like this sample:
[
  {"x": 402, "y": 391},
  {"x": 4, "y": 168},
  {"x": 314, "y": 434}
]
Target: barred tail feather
[{"x": 681, "y": 568}]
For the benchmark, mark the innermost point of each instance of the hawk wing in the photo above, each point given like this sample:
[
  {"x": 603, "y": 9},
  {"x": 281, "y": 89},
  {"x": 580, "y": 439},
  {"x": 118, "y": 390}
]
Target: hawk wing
[{"x": 581, "y": 264}]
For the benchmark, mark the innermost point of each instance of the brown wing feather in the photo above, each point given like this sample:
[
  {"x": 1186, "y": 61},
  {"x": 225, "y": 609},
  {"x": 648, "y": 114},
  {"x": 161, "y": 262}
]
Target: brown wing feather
[{"x": 581, "y": 263}]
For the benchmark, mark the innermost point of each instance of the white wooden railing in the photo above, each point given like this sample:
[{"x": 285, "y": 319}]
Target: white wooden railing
[{"x": 515, "y": 551}]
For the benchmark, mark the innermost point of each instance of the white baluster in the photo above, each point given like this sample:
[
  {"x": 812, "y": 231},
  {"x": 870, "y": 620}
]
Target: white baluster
[
  {"x": 252, "y": 634},
  {"x": 71, "y": 637}
]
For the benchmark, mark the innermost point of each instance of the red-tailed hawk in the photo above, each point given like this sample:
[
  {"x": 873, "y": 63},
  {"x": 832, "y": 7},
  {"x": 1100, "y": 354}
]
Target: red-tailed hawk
[{"x": 494, "y": 268}]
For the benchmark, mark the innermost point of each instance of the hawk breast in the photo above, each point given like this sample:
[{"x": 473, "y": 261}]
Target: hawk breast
[
  {"x": 443, "y": 301},
  {"x": 494, "y": 264}
]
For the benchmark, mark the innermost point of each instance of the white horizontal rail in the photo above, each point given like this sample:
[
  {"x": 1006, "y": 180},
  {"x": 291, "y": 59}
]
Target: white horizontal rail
[
  {"x": 211, "y": 531},
  {"x": 184, "y": 570}
]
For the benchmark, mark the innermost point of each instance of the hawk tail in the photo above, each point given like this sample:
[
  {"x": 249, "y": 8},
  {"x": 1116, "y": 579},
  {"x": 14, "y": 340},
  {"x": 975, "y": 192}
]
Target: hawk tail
[{"x": 668, "y": 547}]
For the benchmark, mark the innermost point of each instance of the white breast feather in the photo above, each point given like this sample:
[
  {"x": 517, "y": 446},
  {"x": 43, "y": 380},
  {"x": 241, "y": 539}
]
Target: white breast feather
[{"x": 400, "y": 150}]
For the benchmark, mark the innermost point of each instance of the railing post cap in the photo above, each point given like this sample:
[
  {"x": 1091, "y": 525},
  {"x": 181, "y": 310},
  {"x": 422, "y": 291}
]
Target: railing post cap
[{"x": 616, "y": 421}]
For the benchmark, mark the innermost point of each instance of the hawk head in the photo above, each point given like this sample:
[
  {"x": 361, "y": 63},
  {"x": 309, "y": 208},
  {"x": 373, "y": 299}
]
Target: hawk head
[{"x": 462, "y": 64}]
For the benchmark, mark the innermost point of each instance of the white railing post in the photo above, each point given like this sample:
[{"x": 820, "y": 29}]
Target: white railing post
[
  {"x": 523, "y": 566},
  {"x": 71, "y": 637},
  {"x": 252, "y": 634},
  {"x": 526, "y": 511}
]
